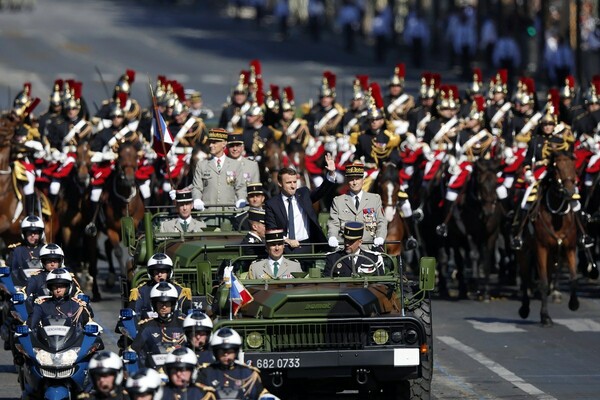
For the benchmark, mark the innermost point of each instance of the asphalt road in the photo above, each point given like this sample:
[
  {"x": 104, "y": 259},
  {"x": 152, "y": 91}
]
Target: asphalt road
[{"x": 482, "y": 350}]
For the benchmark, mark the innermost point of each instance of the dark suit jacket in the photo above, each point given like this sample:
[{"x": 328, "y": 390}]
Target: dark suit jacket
[{"x": 276, "y": 212}]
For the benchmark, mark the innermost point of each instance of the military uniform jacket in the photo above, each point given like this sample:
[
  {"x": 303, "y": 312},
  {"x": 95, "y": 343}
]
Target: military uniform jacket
[
  {"x": 369, "y": 212},
  {"x": 261, "y": 270},
  {"x": 193, "y": 392},
  {"x": 448, "y": 140},
  {"x": 76, "y": 130},
  {"x": 50, "y": 307},
  {"x": 140, "y": 302},
  {"x": 259, "y": 250},
  {"x": 232, "y": 117},
  {"x": 586, "y": 123},
  {"x": 353, "y": 121},
  {"x": 255, "y": 139},
  {"x": 218, "y": 187},
  {"x": 371, "y": 263},
  {"x": 397, "y": 108},
  {"x": 238, "y": 376},
  {"x": 417, "y": 120},
  {"x": 173, "y": 225},
  {"x": 24, "y": 257},
  {"x": 155, "y": 337},
  {"x": 250, "y": 172},
  {"x": 325, "y": 121},
  {"x": 377, "y": 147}
]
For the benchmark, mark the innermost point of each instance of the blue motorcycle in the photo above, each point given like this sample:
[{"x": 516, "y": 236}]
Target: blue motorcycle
[{"x": 52, "y": 359}]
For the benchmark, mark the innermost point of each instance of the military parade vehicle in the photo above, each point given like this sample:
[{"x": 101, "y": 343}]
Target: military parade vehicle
[{"x": 312, "y": 333}]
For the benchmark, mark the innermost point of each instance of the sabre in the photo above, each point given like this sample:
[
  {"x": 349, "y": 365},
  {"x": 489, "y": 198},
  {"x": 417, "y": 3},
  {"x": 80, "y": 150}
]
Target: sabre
[{"x": 103, "y": 82}]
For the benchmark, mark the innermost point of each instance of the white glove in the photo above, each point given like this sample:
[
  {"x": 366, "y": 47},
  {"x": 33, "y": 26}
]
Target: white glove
[
  {"x": 173, "y": 195},
  {"x": 198, "y": 204},
  {"x": 333, "y": 242},
  {"x": 35, "y": 145},
  {"x": 109, "y": 156},
  {"x": 55, "y": 154},
  {"x": 378, "y": 241},
  {"x": 241, "y": 203}
]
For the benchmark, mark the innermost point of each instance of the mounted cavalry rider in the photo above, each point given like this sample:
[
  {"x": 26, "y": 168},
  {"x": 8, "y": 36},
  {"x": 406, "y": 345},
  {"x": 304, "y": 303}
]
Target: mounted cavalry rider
[
  {"x": 397, "y": 104},
  {"x": 293, "y": 130},
  {"x": 256, "y": 133},
  {"x": 54, "y": 114},
  {"x": 233, "y": 116},
  {"x": 586, "y": 128},
  {"x": 64, "y": 136},
  {"x": 131, "y": 108},
  {"x": 324, "y": 117},
  {"x": 355, "y": 117}
]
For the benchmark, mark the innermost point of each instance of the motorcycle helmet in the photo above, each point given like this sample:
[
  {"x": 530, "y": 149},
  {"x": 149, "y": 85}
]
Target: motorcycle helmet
[
  {"x": 225, "y": 338},
  {"x": 182, "y": 357},
  {"x": 164, "y": 292},
  {"x": 144, "y": 381},
  {"x": 106, "y": 362},
  {"x": 32, "y": 223},
  {"x": 51, "y": 251},
  {"x": 60, "y": 276},
  {"x": 160, "y": 261},
  {"x": 197, "y": 321}
]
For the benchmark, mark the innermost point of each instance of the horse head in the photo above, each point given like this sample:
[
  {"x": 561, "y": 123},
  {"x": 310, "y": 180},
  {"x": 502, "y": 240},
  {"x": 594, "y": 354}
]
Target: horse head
[
  {"x": 83, "y": 163},
  {"x": 563, "y": 175},
  {"x": 388, "y": 185},
  {"x": 127, "y": 163},
  {"x": 486, "y": 182}
]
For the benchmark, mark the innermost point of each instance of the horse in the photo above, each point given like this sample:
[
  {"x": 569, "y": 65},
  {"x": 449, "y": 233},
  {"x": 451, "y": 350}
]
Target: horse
[
  {"x": 554, "y": 234},
  {"x": 273, "y": 158},
  {"x": 482, "y": 216},
  {"x": 11, "y": 198},
  {"x": 120, "y": 198},
  {"x": 387, "y": 186}
]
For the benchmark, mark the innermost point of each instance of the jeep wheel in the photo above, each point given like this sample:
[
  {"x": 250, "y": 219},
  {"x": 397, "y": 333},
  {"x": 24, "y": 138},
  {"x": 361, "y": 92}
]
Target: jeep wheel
[{"x": 421, "y": 388}]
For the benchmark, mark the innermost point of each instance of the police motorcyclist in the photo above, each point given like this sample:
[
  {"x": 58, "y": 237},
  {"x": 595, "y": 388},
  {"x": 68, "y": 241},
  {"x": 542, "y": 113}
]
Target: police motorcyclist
[
  {"x": 51, "y": 257},
  {"x": 161, "y": 334},
  {"x": 106, "y": 372},
  {"x": 26, "y": 255},
  {"x": 226, "y": 374},
  {"x": 160, "y": 269},
  {"x": 198, "y": 327},
  {"x": 60, "y": 304},
  {"x": 181, "y": 370},
  {"x": 145, "y": 384}
]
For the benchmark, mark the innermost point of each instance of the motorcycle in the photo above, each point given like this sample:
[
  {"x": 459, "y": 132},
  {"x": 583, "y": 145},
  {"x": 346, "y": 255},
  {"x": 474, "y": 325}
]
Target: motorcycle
[
  {"x": 52, "y": 359},
  {"x": 13, "y": 305}
]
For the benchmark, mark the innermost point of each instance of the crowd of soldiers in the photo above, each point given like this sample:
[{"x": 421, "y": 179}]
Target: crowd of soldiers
[{"x": 440, "y": 128}]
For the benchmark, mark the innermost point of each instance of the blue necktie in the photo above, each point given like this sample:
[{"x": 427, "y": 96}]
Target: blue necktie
[{"x": 291, "y": 226}]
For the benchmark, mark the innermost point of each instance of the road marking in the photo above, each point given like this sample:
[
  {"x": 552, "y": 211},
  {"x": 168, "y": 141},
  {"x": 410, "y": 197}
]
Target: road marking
[
  {"x": 579, "y": 324},
  {"x": 496, "y": 327},
  {"x": 496, "y": 368},
  {"x": 452, "y": 386}
]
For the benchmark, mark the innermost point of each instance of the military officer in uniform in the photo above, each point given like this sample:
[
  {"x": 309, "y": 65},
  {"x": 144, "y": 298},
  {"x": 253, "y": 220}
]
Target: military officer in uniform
[
  {"x": 324, "y": 118},
  {"x": 256, "y": 199},
  {"x": 293, "y": 130},
  {"x": 54, "y": 113},
  {"x": 235, "y": 147},
  {"x": 198, "y": 328},
  {"x": 256, "y": 133},
  {"x": 253, "y": 244},
  {"x": 26, "y": 255},
  {"x": 357, "y": 205},
  {"x": 219, "y": 179},
  {"x": 226, "y": 374},
  {"x": 184, "y": 221},
  {"x": 180, "y": 366},
  {"x": 355, "y": 117},
  {"x": 362, "y": 261},
  {"x": 233, "y": 115},
  {"x": 397, "y": 104},
  {"x": 275, "y": 266}
]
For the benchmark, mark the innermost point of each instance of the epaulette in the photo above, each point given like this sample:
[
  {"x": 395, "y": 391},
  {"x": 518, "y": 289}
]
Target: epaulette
[
  {"x": 339, "y": 108},
  {"x": 143, "y": 321},
  {"x": 206, "y": 388},
  {"x": 14, "y": 245},
  {"x": 255, "y": 261},
  {"x": 204, "y": 365},
  {"x": 277, "y": 134},
  {"x": 36, "y": 272},
  {"x": 40, "y": 300},
  {"x": 186, "y": 292},
  {"x": 134, "y": 294},
  {"x": 84, "y": 395},
  {"x": 354, "y": 138},
  {"x": 394, "y": 139},
  {"x": 79, "y": 301}
]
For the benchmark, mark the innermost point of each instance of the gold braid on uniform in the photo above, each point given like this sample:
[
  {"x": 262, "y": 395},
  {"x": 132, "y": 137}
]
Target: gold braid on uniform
[
  {"x": 248, "y": 384},
  {"x": 191, "y": 136},
  {"x": 168, "y": 339},
  {"x": 134, "y": 112},
  {"x": 257, "y": 143},
  {"x": 381, "y": 153},
  {"x": 479, "y": 148},
  {"x": 549, "y": 148}
]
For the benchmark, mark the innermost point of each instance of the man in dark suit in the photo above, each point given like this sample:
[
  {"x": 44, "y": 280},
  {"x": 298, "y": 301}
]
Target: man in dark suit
[{"x": 292, "y": 210}]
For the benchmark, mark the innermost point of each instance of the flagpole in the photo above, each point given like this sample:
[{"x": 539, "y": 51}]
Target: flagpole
[
  {"x": 230, "y": 286},
  {"x": 161, "y": 133}
]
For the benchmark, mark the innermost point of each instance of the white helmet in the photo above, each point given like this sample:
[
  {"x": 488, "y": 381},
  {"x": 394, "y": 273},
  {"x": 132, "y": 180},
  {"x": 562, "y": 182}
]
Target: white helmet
[
  {"x": 160, "y": 261},
  {"x": 60, "y": 276},
  {"x": 107, "y": 362},
  {"x": 51, "y": 251},
  {"x": 144, "y": 381},
  {"x": 32, "y": 223},
  {"x": 197, "y": 321},
  {"x": 182, "y": 357},
  {"x": 225, "y": 338},
  {"x": 164, "y": 291}
]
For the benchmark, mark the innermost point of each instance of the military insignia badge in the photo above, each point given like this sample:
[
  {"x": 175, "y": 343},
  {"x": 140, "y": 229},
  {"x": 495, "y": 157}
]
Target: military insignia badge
[
  {"x": 370, "y": 219},
  {"x": 230, "y": 178},
  {"x": 246, "y": 177},
  {"x": 155, "y": 334}
]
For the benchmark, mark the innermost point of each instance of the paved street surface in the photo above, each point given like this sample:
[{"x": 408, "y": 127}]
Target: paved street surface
[{"x": 482, "y": 350}]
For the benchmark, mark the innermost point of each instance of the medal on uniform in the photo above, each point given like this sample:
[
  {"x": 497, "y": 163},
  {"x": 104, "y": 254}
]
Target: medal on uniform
[
  {"x": 370, "y": 220},
  {"x": 230, "y": 178}
]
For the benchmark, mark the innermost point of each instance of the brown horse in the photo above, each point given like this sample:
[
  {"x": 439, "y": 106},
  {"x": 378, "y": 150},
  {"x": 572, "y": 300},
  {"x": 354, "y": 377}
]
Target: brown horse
[
  {"x": 555, "y": 234},
  {"x": 387, "y": 186},
  {"x": 10, "y": 216},
  {"x": 121, "y": 198}
]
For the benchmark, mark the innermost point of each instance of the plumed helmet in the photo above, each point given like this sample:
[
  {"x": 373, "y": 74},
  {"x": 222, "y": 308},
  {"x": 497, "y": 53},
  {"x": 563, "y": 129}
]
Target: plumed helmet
[
  {"x": 32, "y": 223},
  {"x": 567, "y": 91},
  {"x": 430, "y": 83},
  {"x": 117, "y": 106},
  {"x": 448, "y": 97},
  {"x": 477, "y": 111},
  {"x": 59, "y": 276},
  {"x": 107, "y": 362},
  {"x": 399, "y": 75},
  {"x": 197, "y": 321},
  {"x": 257, "y": 107},
  {"x": 272, "y": 100},
  {"x": 499, "y": 82},
  {"x": 72, "y": 100},
  {"x": 360, "y": 87},
  {"x": 225, "y": 338},
  {"x": 552, "y": 107},
  {"x": 242, "y": 84},
  {"x": 527, "y": 91},
  {"x": 51, "y": 251},
  {"x": 23, "y": 97},
  {"x": 125, "y": 81},
  {"x": 182, "y": 357},
  {"x": 145, "y": 380},
  {"x": 593, "y": 93},
  {"x": 287, "y": 101},
  {"x": 476, "y": 86},
  {"x": 180, "y": 105},
  {"x": 56, "y": 95},
  {"x": 160, "y": 261},
  {"x": 375, "y": 102},
  {"x": 328, "y": 84}
]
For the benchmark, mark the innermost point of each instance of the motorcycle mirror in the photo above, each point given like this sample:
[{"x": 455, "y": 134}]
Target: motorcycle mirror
[
  {"x": 22, "y": 329},
  {"x": 126, "y": 313},
  {"x": 4, "y": 271},
  {"x": 90, "y": 329},
  {"x": 18, "y": 298},
  {"x": 129, "y": 356}
]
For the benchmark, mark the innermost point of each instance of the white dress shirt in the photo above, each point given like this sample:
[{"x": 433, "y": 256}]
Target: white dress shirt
[{"x": 300, "y": 218}]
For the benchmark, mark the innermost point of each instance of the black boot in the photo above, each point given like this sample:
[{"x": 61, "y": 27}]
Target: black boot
[
  {"x": 91, "y": 229},
  {"x": 411, "y": 243},
  {"x": 442, "y": 229},
  {"x": 31, "y": 204},
  {"x": 585, "y": 241},
  {"x": 509, "y": 207},
  {"x": 516, "y": 241}
]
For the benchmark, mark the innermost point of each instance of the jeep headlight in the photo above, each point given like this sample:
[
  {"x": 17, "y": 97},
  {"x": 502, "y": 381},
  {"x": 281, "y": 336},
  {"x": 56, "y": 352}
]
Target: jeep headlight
[
  {"x": 254, "y": 340},
  {"x": 381, "y": 336},
  {"x": 66, "y": 358}
]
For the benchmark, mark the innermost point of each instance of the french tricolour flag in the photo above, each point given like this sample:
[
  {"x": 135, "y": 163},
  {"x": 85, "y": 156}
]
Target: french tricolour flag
[
  {"x": 240, "y": 296},
  {"x": 158, "y": 141}
]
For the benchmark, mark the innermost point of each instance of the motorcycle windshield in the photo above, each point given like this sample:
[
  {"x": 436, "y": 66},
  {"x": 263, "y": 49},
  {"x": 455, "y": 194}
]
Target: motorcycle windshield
[{"x": 57, "y": 335}]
